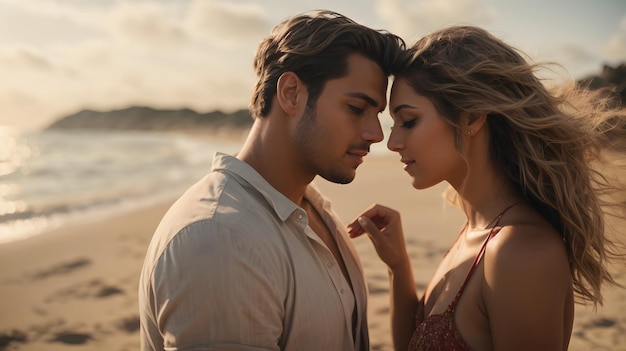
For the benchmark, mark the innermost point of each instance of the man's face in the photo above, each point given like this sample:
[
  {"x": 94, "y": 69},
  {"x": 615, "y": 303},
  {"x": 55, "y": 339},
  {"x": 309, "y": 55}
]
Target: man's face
[{"x": 333, "y": 138}]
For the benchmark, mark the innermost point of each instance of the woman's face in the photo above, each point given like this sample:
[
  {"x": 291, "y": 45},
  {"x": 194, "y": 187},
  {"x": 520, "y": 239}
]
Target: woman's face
[{"x": 424, "y": 140}]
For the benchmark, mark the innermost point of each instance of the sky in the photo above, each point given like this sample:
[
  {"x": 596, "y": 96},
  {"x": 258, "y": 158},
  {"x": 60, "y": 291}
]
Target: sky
[{"x": 58, "y": 57}]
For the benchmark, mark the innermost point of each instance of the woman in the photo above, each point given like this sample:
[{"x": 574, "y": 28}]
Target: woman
[{"x": 469, "y": 110}]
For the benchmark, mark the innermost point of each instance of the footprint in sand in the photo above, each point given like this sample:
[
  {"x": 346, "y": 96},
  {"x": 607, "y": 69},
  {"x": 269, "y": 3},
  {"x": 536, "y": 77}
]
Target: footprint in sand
[
  {"x": 129, "y": 325},
  {"x": 601, "y": 323},
  {"x": 62, "y": 268},
  {"x": 374, "y": 289},
  {"x": 12, "y": 337},
  {"x": 72, "y": 338},
  {"x": 94, "y": 288}
]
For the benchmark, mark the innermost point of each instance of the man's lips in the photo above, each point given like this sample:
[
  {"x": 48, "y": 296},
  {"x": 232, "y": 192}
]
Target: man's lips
[{"x": 360, "y": 153}]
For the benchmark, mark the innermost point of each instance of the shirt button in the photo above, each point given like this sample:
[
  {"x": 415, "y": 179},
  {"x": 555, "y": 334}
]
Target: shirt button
[
  {"x": 300, "y": 216},
  {"x": 329, "y": 264}
]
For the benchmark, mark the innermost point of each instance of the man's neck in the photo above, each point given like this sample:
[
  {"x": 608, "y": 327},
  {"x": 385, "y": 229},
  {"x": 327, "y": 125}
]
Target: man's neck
[{"x": 268, "y": 150}]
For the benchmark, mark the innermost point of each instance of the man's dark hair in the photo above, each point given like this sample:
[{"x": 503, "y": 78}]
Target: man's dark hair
[{"x": 315, "y": 47}]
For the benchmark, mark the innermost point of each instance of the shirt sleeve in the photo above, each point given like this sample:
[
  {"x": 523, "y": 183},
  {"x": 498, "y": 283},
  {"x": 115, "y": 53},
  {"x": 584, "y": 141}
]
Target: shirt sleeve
[{"x": 214, "y": 290}]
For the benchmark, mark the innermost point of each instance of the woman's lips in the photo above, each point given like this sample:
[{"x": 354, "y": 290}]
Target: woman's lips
[{"x": 407, "y": 163}]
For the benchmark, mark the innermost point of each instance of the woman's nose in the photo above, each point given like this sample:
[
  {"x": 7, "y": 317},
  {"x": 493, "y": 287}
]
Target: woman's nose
[{"x": 394, "y": 143}]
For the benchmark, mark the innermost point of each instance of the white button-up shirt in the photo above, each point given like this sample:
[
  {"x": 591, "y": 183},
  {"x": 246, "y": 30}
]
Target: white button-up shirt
[{"x": 234, "y": 265}]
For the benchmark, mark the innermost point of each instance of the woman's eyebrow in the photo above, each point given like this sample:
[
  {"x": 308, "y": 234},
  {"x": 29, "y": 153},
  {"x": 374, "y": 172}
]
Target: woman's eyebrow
[{"x": 402, "y": 106}]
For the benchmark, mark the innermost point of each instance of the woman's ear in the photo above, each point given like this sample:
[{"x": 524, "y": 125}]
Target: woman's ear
[
  {"x": 288, "y": 87},
  {"x": 474, "y": 122}
]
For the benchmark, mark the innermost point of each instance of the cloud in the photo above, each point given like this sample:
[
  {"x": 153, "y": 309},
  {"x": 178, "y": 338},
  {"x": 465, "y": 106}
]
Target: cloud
[
  {"x": 573, "y": 54},
  {"x": 566, "y": 61},
  {"x": 85, "y": 13},
  {"x": 146, "y": 24},
  {"x": 24, "y": 58},
  {"x": 411, "y": 19},
  {"x": 229, "y": 24},
  {"x": 45, "y": 24},
  {"x": 616, "y": 46},
  {"x": 17, "y": 106}
]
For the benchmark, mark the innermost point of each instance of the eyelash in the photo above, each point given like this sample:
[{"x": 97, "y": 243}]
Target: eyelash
[
  {"x": 409, "y": 124},
  {"x": 356, "y": 110}
]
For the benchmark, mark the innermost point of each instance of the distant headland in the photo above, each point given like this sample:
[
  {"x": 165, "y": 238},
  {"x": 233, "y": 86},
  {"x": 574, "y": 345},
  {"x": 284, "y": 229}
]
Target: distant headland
[
  {"x": 147, "y": 118},
  {"x": 150, "y": 119},
  {"x": 613, "y": 78}
]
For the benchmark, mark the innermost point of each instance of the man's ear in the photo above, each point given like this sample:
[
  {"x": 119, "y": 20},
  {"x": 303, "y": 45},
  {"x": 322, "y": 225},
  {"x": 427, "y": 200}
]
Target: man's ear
[
  {"x": 288, "y": 89},
  {"x": 474, "y": 122}
]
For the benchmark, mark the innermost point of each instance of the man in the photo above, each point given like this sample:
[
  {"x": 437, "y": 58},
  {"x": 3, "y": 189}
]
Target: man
[{"x": 252, "y": 257}]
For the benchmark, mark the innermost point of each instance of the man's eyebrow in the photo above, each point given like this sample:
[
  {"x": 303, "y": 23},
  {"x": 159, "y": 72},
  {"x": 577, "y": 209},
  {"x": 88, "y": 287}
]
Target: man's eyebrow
[
  {"x": 402, "y": 106},
  {"x": 365, "y": 97}
]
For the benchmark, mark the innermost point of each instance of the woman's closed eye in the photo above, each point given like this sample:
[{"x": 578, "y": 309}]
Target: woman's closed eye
[{"x": 409, "y": 124}]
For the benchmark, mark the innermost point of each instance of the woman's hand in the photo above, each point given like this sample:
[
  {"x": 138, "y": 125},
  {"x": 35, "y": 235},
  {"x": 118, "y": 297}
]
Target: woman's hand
[{"x": 384, "y": 228}]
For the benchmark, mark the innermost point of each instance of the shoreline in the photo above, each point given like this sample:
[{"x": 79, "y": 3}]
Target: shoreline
[
  {"x": 95, "y": 185},
  {"x": 76, "y": 287}
]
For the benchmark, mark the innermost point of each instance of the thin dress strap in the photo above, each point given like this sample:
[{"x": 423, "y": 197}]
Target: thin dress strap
[{"x": 495, "y": 222}]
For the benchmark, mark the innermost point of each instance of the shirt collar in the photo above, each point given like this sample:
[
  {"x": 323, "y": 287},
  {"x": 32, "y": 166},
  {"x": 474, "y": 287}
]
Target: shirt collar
[{"x": 243, "y": 172}]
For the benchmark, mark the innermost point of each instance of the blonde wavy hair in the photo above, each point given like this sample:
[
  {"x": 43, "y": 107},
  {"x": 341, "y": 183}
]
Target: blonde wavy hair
[{"x": 549, "y": 144}]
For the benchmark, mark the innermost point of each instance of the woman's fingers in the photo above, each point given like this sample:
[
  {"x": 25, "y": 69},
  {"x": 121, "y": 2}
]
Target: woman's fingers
[
  {"x": 377, "y": 216},
  {"x": 384, "y": 228},
  {"x": 369, "y": 227},
  {"x": 380, "y": 216},
  {"x": 375, "y": 220}
]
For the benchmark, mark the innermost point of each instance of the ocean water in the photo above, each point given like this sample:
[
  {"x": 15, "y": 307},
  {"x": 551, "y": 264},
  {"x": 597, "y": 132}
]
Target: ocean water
[{"x": 53, "y": 178}]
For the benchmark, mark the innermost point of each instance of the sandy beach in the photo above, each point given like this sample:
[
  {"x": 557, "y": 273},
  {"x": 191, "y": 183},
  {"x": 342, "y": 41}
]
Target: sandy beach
[{"x": 76, "y": 288}]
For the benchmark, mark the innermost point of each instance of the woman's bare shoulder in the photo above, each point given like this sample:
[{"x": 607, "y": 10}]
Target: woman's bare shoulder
[
  {"x": 527, "y": 238},
  {"x": 527, "y": 282},
  {"x": 527, "y": 251}
]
